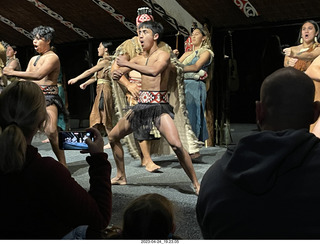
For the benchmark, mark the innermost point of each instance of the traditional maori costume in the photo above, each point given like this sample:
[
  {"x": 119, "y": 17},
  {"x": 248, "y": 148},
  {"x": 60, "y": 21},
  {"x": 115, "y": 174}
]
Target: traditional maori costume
[
  {"x": 196, "y": 95},
  {"x": 132, "y": 48},
  {"x": 51, "y": 94},
  {"x": 103, "y": 102},
  {"x": 303, "y": 65},
  {"x": 146, "y": 114}
]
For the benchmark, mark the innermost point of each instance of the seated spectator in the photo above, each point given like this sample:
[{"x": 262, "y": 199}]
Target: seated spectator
[
  {"x": 39, "y": 198},
  {"x": 150, "y": 216},
  {"x": 267, "y": 186}
]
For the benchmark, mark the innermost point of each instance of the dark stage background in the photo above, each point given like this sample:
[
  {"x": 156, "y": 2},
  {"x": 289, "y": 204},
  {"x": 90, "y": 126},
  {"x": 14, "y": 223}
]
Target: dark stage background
[{"x": 257, "y": 52}]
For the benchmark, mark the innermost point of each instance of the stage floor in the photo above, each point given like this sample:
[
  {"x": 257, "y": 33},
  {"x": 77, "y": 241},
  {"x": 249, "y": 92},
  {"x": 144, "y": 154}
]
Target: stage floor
[{"x": 171, "y": 181}]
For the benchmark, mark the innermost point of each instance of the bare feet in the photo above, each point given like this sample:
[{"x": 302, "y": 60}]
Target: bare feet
[
  {"x": 118, "y": 181},
  {"x": 150, "y": 166},
  {"x": 195, "y": 155},
  {"x": 107, "y": 146},
  {"x": 196, "y": 188},
  {"x": 46, "y": 141}
]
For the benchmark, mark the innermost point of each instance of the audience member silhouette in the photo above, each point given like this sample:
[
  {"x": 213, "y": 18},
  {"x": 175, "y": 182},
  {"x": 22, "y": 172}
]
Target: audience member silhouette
[
  {"x": 150, "y": 216},
  {"x": 39, "y": 198},
  {"x": 266, "y": 187}
]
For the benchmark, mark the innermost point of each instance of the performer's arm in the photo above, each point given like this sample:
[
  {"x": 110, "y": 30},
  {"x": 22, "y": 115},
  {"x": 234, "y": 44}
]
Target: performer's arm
[
  {"x": 204, "y": 57},
  {"x": 289, "y": 62},
  {"x": 307, "y": 55},
  {"x": 29, "y": 66},
  {"x": 13, "y": 64},
  {"x": 122, "y": 80},
  {"x": 304, "y": 55},
  {"x": 154, "y": 70},
  {"x": 88, "y": 82},
  {"x": 131, "y": 87},
  {"x": 286, "y": 61},
  {"x": 184, "y": 56},
  {"x": 50, "y": 63},
  {"x": 314, "y": 70},
  {"x": 100, "y": 65}
]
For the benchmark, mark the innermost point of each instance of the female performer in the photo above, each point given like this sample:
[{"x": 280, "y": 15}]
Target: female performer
[
  {"x": 301, "y": 56},
  {"x": 12, "y": 62},
  {"x": 195, "y": 89},
  {"x": 103, "y": 107}
]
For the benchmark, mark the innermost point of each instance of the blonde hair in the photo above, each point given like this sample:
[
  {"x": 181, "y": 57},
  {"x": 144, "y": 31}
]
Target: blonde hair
[
  {"x": 150, "y": 216},
  {"x": 22, "y": 112}
]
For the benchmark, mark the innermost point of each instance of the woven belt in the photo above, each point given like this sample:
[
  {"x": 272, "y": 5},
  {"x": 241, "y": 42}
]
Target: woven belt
[
  {"x": 102, "y": 81},
  {"x": 50, "y": 90},
  {"x": 153, "y": 97}
]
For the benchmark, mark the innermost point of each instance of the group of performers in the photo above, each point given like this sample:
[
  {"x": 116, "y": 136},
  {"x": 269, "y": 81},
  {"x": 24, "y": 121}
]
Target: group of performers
[
  {"x": 141, "y": 86},
  {"x": 145, "y": 89}
]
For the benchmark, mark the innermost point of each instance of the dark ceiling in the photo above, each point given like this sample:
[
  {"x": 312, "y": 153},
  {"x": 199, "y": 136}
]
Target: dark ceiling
[{"x": 78, "y": 20}]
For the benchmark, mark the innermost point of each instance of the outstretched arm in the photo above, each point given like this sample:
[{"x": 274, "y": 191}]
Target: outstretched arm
[
  {"x": 304, "y": 55},
  {"x": 88, "y": 82},
  {"x": 100, "y": 65}
]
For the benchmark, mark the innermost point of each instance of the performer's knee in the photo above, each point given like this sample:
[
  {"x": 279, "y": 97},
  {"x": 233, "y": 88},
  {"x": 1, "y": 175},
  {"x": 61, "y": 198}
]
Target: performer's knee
[
  {"x": 176, "y": 147},
  {"x": 113, "y": 139},
  {"x": 51, "y": 132}
]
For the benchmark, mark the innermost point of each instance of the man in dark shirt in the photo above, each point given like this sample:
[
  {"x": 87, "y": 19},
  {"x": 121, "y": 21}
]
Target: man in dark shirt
[{"x": 267, "y": 186}]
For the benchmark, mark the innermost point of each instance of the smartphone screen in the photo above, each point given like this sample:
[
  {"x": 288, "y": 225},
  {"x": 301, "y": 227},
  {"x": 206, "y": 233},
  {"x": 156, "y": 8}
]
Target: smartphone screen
[{"x": 74, "y": 140}]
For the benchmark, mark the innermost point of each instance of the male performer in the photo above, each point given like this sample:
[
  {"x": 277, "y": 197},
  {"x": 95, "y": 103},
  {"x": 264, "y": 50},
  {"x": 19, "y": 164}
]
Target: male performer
[
  {"x": 44, "y": 69},
  {"x": 153, "y": 108},
  {"x": 131, "y": 48}
]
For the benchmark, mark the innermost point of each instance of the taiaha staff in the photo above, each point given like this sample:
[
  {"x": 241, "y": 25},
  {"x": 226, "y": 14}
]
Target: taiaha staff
[{"x": 177, "y": 40}]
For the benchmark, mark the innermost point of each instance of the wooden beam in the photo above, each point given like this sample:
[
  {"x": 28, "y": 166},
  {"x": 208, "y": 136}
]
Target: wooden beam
[
  {"x": 182, "y": 20},
  {"x": 58, "y": 17},
  {"x": 13, "y": 25},
  {"x": 110, "y": 10}
]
